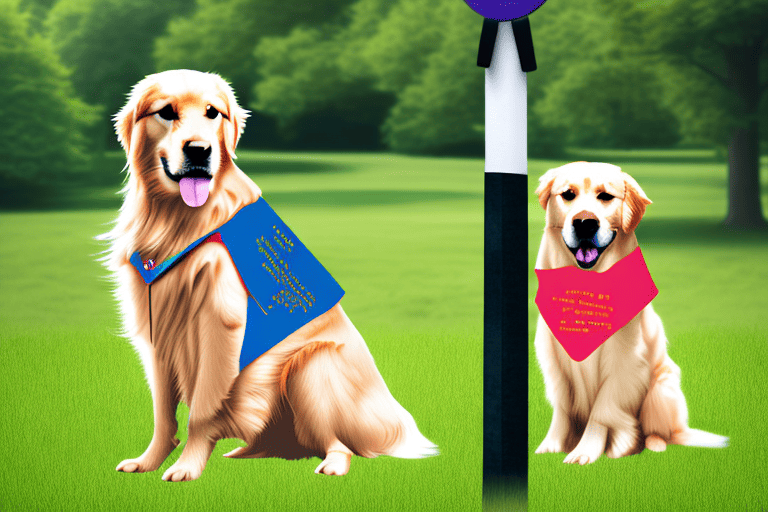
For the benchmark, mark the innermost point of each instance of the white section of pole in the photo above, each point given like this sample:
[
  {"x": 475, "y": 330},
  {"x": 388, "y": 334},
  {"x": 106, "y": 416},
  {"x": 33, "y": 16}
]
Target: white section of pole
[{"x": 506, "y": 108}]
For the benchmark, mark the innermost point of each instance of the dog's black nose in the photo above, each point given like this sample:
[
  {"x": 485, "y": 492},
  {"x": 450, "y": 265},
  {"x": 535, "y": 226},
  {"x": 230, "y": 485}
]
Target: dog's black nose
[
  {"x": 197, "y": 153},
  {"x": 585, "y": 228}
]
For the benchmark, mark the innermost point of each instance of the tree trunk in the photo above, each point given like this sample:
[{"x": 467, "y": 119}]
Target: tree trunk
[{"x": 744, "y": 208}]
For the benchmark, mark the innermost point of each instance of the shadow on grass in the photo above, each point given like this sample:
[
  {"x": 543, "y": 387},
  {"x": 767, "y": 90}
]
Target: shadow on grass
[
  {"x": 639, "y": 156},
  {"x": 354, "y": 198},
  {"x": 704, "y": 232},
  {"x": 716, "y": 180},
  {"x": 61, "y": 197},
  {"x": 74, "y": 197},
  {"x": 255, "y": 166}
]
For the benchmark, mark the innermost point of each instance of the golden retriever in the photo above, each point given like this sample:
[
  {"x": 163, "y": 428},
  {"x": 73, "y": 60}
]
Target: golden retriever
[
  {"x": 628, "y": 390},
  {"x": 317, "y": 392}
]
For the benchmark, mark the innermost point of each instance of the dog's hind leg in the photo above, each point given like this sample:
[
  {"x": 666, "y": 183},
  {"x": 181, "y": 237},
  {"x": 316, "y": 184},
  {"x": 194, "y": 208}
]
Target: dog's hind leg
[
  {"x": 337, "y": 459},
  {"x": 664, "y": 410},
  {"x": 664, "y": 415},
  {"x": 165, "y": 399},
  {"x": 342, "y": 407},
  {"x": 308, "y": 383}
]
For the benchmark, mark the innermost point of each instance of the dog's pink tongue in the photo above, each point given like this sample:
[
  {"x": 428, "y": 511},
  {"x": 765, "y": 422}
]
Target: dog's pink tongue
[
  {"x": 194, "y": 191},
  {"x": 588, "y": 257}
]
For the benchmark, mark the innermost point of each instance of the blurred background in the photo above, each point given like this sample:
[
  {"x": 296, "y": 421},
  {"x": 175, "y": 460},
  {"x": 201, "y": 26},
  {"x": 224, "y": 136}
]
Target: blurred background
[{"x": 385, "y": 75}]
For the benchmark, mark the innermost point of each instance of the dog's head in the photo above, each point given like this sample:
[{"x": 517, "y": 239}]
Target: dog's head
[
  {"x": 179, "y": 130},
  {"x": 591, "y": 203}
]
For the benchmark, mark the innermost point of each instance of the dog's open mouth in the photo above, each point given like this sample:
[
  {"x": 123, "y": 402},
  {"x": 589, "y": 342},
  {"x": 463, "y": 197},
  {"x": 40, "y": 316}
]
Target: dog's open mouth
[
  {"x": 587, "y": 252},
  {"x": 194, "y": 182}
]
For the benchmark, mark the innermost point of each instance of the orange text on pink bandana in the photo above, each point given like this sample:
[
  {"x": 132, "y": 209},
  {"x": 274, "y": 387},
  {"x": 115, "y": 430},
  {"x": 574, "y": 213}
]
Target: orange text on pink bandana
[{"x": 583, "y": 309}]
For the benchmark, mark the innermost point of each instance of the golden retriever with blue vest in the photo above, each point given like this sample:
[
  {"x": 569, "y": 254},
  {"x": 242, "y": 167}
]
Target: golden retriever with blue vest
[{"x": 317, "y": 392}]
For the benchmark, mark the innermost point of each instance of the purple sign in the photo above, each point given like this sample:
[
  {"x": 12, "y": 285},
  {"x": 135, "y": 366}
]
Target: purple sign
[{"x": 502, "y": 10}]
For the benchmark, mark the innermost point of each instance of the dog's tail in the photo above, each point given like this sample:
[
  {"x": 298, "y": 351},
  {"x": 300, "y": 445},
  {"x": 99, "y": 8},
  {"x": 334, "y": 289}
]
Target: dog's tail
[
  {"x": 412, "y": 443},
  {"x": 696, "y": 437}
]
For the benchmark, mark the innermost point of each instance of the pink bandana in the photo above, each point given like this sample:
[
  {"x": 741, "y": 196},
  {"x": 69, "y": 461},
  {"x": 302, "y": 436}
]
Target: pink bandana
[{"x": 583, "y": 309}]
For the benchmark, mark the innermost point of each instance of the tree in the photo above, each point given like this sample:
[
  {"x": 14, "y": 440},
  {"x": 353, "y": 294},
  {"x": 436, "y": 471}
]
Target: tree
[
  {"x": 42, "y": 133},
  {"x": 380, "y": 53},
  {"x": 720, "y": 47},
  {"x": 108, "y": 45},
  {"x": 316, "y": 104},
  {"x": 220, "y": 35},
  {"x": 612, "y": 103},
  {"x": 588, "y": 90},
  {"x": 441, "y": 110}
]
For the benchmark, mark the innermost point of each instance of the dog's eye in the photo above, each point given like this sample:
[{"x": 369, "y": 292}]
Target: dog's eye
[
  {"x": 604, "y": 196},
  {"x": 211, "y": 113},
  {"x": 569, "y": 195},
  {"x": 168, "y": 113}
]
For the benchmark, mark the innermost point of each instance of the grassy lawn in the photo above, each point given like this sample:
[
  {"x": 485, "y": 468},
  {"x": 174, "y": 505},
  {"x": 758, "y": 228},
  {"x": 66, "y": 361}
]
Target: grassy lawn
[{"x": 403, "y": 236}]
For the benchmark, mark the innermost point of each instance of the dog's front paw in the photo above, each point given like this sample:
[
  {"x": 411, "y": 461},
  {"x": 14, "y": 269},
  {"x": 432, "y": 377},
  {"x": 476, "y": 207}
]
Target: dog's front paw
[
  {"x": 183, "y": 472},
  {"x": 581, "y": 457},
  {"x": 335, "y": 463},
  {"x": 138, "y": 465},
  {"x": 549, "y": 445},
  {"x": 591, "y": 446},
  {"x": 151, "y": 459}
]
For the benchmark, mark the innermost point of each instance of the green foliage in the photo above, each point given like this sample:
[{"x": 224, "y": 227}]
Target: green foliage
[
  {"x": 361, "y": 73},
  {"x": 42, "y": 134},
  {"x": 396, "y": 44},
  {"x": 297, "y": 71},
  {"x": 382, "y": 51},
  {"x": 316, "y": 104},
  {"x": 608, "y": 104},
  {"x": 108, "y": 45},
  {"x": 220, "y": 35},
  {"x": 594, "y": 94},
  {"x": 701, "y": 47},
  {"x": 438, "y": 110}
]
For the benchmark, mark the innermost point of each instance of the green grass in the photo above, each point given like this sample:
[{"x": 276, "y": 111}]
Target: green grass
[{"x": 403, "y": 236}]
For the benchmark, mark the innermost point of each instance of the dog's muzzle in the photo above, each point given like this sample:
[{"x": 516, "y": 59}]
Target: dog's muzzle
[
  {"x": 195, "y": 176},
  {"x": 586, "y": 240},
  {"x": 197, "y": 162}
]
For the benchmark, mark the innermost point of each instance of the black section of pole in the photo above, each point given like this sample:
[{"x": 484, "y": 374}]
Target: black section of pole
[
  {"x": 505, "y": 392},
  {"x": 521, "y": 28},
  {"x": 487, "y": 42}
]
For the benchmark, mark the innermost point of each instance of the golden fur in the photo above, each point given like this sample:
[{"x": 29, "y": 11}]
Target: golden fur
[
  {"x": 316, "y": 392},
  {"x": 627, "y": 393}
]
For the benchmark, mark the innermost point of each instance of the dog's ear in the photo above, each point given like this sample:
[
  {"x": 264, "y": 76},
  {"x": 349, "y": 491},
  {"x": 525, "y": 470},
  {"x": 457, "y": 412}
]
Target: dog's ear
[
  {"x": 545, "y": 186},
  {"x": 124, "y": 121},
  {"x": 136, "y": 108},
  {"x": 237, "y": 116},
  {"x": 633, "y": 207}
]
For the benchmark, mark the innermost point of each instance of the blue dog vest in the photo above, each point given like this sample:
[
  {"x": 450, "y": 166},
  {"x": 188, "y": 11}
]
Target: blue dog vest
[{"x": 287, "y": 287}]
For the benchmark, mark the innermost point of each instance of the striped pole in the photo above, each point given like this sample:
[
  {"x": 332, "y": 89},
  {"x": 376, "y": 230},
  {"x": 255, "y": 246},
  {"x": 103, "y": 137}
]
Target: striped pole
[{"x": 506, "y": 51}]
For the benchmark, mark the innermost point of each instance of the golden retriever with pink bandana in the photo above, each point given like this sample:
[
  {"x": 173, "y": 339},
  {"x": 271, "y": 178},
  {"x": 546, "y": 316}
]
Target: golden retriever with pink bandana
[{"x": 626, "y": 394}]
